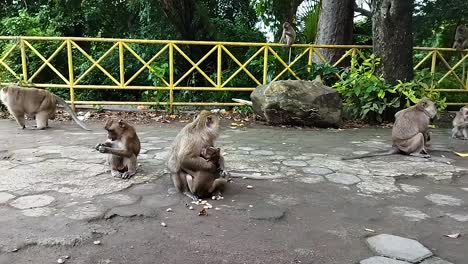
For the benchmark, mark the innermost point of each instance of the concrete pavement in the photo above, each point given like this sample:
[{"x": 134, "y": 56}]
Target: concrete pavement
[{"x": 305, "y": 205}]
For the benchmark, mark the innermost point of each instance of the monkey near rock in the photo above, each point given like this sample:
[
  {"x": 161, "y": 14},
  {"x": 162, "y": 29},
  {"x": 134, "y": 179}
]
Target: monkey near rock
[
  {"x": 410, "y": 132},
  {"x": 288, "y": 37},
  {"x": 460, "y": 124},
  {"x": 34, "y": 102},
  {"x": 461, "y": 38},
  {"x": 185, "y": 152},
  {"x": 123, "y": 147}
]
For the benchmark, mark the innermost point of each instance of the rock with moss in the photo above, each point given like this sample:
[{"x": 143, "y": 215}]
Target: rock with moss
[{"x": 297, "y": 102}]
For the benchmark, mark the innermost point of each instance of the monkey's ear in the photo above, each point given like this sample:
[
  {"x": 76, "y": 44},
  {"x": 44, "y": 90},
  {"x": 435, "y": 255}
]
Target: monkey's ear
[
  {"x": 108, "y": 123},
  {"x": 209, "y": 121}
]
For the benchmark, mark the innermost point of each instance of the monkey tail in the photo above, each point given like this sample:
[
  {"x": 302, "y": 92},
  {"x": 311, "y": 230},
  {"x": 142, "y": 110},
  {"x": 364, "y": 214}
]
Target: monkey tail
[
  {"x": 389, "y": 152},
  {"x": 67, "y": 108}
]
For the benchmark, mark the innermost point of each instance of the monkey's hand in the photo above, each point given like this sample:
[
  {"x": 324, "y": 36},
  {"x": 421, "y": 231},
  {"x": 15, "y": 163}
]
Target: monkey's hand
[
  {"x": 127, "y": 175},
  {"x": 97, "y": 146},
  {"x": 224, "y": 173},
  {"x": 103, "y": 149}
]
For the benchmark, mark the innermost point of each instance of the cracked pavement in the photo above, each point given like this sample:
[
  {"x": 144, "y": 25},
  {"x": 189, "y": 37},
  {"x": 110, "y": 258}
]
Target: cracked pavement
[{"x": 306, "y": 205}]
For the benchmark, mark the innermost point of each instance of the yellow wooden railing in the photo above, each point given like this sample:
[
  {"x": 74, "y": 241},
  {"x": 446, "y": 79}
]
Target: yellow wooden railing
[{"x": 17, "y": 50}]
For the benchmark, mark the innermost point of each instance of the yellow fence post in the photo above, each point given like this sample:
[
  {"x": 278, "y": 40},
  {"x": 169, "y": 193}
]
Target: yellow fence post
[
  {"x": 70, "y": 73},
  {"x": 23, "y": 60},
  {"x": 265, "y": 64},
  {"x": 121, "y": 65},
  {"x": 433, "y": 68},
  {"x": 220, "y": 68},
  {"x": 309, "y": 60},
  {"x": 353, "y": 55},
  {"x": 171, "y": 75}
]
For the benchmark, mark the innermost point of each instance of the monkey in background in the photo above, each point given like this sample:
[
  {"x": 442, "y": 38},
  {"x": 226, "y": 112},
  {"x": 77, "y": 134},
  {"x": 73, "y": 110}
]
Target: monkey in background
[
  {"x": 185, "y": 152},
  {"x": 122, "y": 147},
  {"x": 205, "y": 183},
  {"x": 461, "y": 38},
  {"x": 288, "y": 37},
  {"x": 289, "y": 34},
  {"x": 460, "y": 124},
  {"x": 34, "y": 102},
  {"x": 410, "y": 132}
]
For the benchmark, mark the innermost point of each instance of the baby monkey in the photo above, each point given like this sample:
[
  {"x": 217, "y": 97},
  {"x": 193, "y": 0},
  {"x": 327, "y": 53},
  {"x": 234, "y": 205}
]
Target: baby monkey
[
  {"x": 460, "y": 124},
  {"x": 123, "y": 147},
  {"x": 204, "y": 183}
]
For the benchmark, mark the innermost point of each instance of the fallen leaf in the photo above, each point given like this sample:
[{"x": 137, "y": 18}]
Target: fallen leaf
[{"x": 455, "y": 235}]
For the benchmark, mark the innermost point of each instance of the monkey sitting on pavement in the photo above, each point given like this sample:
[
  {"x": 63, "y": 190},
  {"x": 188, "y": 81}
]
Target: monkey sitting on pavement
[
  {"x": 122, "y": 146},
  {"x": 205, "y": 183},
  {"x": 460, "y": 124},
  {"x": 34, "y": 102},
  {"x": 410, "y": 132},
  {"x": 185, "y": 151}
]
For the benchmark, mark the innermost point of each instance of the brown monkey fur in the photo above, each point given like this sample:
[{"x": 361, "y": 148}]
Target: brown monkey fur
[
  {"x": 204, "y": 183},
  {"x": 410, "y": 132},
  {"x": 288, "y": 37},
  {"x": 34, "y": 102},
  {"x": 461, "y": 38},
  {"x": 289, "y": 34},
  {"x": 187, "y": 146},
  {"x": 460, "y": 123},
  {"x": 123, "y": 147}
]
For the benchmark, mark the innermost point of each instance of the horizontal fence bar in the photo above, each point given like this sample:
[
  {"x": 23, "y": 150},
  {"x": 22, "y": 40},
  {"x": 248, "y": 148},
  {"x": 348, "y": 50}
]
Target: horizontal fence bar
[{"x": 153, "y": 103}]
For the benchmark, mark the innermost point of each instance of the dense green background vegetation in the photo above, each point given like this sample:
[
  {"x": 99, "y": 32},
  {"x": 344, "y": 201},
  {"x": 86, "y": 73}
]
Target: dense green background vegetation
[{"x": 434, "y": 23}]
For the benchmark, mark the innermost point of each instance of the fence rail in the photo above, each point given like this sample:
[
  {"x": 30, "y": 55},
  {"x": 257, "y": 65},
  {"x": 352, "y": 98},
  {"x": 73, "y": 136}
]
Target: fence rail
[{"x": 218, "y": 65}]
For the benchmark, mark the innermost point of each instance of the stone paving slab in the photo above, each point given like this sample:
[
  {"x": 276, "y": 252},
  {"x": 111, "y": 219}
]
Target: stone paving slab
[
  {"x": 382, "y": 260},
  {"x": 435, "y": 260},
  {"x": 398, "y": 248}
]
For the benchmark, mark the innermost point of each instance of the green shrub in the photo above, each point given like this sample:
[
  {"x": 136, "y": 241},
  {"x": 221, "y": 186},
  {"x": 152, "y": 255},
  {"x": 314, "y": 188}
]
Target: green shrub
[
  {"x": 327, "y": 72},
  {"x": 368, "y": 96},
  {"x": 420, "y": 87}
]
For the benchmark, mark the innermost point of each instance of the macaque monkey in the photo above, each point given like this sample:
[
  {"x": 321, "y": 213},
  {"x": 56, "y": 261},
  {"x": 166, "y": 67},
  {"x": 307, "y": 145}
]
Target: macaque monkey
[
  {"x": 185, "y": 156},
  {"x": 460, "y": 124},
  {"x": 410, "y": 132},
  {"x": 289, "y": 34},
  {"x": 122, "y": 146},
  {"x": 34, "y": 102},
  {"x": 288, "y": 37},
  {"x": 204, "y": 183},
  {"x": 461, "y": 38}
]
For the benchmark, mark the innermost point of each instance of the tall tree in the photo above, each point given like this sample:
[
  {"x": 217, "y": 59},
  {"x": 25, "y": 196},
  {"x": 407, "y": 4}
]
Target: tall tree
[
  {"x": 335, "y": 27},
  {"x": 392, "y": 38}
]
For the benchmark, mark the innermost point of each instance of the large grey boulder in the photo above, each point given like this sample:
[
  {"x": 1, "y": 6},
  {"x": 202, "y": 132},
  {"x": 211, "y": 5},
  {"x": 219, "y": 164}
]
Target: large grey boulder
[{"x": 308, "y": 103}]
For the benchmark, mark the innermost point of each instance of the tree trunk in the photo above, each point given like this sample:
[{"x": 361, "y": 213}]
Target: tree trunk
[
  {"x": 335, "y": 27},
  {"x": 392, "y": 38}
]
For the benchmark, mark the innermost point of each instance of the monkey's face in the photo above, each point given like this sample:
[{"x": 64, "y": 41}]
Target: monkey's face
[
  {"x": 428, "y": 106},
  {"x": 114, "y": 129},
  {"x": 286, "y": 25},
  {"x": 208, "y": 120},
  {"x": 210, "y": 153},
  {"x": 464, "y": 112}
]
